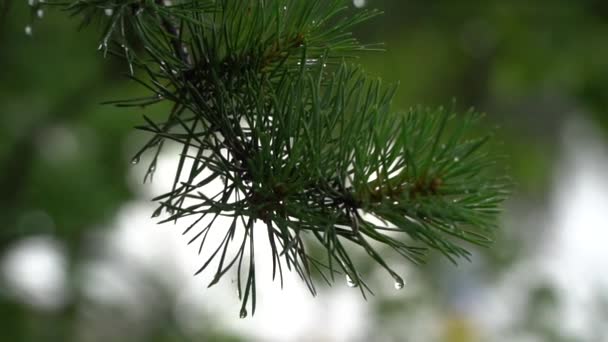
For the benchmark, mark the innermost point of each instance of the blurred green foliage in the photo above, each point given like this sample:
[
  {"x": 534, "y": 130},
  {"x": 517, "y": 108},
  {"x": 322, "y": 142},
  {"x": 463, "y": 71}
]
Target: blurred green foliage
[
  {"x": 52, "y": 81},
  {"x": 529, "y": 65}
]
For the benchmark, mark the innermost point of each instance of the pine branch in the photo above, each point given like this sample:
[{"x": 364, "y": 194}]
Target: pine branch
[{"x": 265, "y": 101}]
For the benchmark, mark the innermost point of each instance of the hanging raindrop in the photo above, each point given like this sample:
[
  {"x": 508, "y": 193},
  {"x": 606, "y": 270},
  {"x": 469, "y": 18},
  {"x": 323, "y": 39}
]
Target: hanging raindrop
[
  {"x": 135, "y": 160},
  {"x": 399, "y": 283},
  {"x": 243, "y": 313},
  {"x": 108, "y": 12},
  {"x": 40, "y": 13},
  {"x": 350, "y": 282},
  {"x": 28, "y": 30},
  {"x": 359, "y": 3}
]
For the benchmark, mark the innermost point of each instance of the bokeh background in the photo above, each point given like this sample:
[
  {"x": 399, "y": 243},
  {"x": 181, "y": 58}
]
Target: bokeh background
[{"x": 80, "y": 259}]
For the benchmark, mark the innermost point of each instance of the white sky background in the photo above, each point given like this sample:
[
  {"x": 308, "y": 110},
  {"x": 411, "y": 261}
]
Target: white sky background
[
  {"x": 573, "y": 259},
  {"x": 576, "y": 256}
]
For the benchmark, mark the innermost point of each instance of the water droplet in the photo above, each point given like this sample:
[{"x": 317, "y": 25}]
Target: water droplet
[
  {"x": 152, "y": 167},
  {"x": 28, "y": 30},
  {"x": 31, "y": 2},
  {"x": 40, "y": 13},
  {"x": 284, "y": 8},
  {"x": 456, "y": 159},
  {"x": 359, "y": 3},
  {"x": 135, "y": 160},
  {"x": 108, "y": 12},
  {"x": 443, "y": 146},
  {"x": 170, "y": 211},
  {"x": 350, "y": 282},
  {"x": 243, "y": 313},
  {"x": 399, "y": 283}
]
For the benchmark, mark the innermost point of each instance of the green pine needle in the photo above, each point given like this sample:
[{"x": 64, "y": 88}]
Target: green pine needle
[{"x": 265, "y": 101}]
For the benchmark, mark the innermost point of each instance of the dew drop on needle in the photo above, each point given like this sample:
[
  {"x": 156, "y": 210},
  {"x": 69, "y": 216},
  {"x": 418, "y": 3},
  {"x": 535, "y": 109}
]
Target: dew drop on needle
[
  {"x": 399, "y": 283},
  {"x": 350, "y": 282}
]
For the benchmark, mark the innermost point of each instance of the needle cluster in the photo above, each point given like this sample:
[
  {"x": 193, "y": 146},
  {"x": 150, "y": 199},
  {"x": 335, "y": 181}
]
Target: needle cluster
[{"x": 266, "y": 100}]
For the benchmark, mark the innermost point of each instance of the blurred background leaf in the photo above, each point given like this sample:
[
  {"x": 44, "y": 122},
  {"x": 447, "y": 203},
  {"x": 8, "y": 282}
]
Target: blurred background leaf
[{"x": 69, "y": 201}]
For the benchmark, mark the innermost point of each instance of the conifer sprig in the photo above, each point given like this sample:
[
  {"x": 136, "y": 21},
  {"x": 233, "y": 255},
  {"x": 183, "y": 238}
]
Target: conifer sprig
[{"x": 266, "y": 102}]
